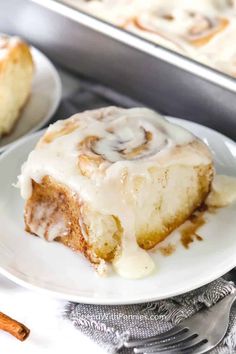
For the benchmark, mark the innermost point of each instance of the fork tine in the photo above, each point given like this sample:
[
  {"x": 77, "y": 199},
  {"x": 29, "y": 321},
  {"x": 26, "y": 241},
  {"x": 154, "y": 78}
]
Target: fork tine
[
  {"x": 159, "y": 337},
  {"x": 185, "y": 348},
  {"x": 182, "y": 338},
  {"x": 201, "y": 349}
]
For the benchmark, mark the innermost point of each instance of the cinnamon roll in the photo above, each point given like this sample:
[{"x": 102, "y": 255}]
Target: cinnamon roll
[
  {"x": 112, "y": 183},
  {"x": 199, "y": 29},
  {"x": 16, "y": 71},
  {"x": 180, "y": 27}
]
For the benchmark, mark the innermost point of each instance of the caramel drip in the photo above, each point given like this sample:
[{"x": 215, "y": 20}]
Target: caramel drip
[
  {"x": 189, "y": 230},
  {"x": 167, "y": 250}
]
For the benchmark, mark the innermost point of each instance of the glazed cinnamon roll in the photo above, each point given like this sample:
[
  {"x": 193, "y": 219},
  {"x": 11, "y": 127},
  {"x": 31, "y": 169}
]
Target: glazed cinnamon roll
[
  {"x": 181, "y": 27},
  {"x": 192, "y": 28},
  {"x": 112, "y": 183}
]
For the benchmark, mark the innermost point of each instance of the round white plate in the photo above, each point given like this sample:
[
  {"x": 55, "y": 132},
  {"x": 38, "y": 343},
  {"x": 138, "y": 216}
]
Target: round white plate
[
  {"x": 43, "y": 101},
  {"x": 55, "y": 269}
]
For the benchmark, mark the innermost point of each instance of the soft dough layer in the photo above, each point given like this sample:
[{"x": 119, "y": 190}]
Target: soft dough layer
[
  {"x": 16, "y": 71},
  {"x": 112, "y": 183}
]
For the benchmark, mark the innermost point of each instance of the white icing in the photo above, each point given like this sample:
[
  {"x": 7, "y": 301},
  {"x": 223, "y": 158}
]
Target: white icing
[
  {"x": 174, "y": 24},
  {"x": 6, "y": 43},
  {"x": 102, "y": 268},
  {"x": 223, "y": 191},
  {"x": 3, "y": 53},
  {"x": 42, "y": 225},
  {"x": 118, "y": 134},
  {"x": 57, "y": 228}
]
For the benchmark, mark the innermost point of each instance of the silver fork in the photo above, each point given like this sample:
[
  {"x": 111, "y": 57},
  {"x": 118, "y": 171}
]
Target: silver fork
[{"x": 195, "y": 335}]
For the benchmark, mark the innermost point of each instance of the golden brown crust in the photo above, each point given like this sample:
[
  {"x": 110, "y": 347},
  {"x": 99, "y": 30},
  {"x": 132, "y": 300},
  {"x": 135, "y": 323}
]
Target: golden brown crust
[
  {"x": 18, "y": 52},
  {"x": 16, "y": 71},
  {"x": 12, "y": 129}
]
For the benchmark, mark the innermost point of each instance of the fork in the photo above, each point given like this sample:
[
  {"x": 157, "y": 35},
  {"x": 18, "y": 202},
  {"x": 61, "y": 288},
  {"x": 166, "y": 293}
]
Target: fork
[{"x": 196, "y": 335}]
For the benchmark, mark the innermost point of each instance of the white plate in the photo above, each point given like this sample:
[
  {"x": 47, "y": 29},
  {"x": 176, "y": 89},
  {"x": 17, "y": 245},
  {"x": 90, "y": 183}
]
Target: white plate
[
  {"x": 42, "y": 103},
  {"x": 55, "y": 269}
]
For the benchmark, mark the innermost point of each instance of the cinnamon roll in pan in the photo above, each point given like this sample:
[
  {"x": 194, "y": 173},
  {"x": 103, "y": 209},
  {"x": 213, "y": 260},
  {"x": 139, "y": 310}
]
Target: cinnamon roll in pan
[
  {"x": 192, "y": 28},
  {"x": 112, "y": 183}
]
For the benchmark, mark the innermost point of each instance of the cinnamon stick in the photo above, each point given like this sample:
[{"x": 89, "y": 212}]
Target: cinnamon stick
[{"x": 13, "y": 327}]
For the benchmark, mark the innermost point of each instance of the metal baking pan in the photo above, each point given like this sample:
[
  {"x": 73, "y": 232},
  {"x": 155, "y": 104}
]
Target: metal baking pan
[{"x": 146, "y": 72}]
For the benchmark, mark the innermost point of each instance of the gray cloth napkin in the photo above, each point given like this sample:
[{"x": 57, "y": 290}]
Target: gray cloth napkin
[{"x": 110, "y": 326}]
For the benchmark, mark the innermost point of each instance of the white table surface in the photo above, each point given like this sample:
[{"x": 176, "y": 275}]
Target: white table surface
[{"x": 50, "y": 332}]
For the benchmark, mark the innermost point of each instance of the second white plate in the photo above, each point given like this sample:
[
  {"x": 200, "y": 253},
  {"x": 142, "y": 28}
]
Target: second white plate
[
  {"x": 43, "y": 101},
  {"x": 55, "y": 269}
]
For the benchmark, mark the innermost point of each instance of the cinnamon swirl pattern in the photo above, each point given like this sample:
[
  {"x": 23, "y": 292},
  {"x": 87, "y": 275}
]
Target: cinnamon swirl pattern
[
  {"x": 204, "y": 30},
  {"x": 112, "y": 183}
]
